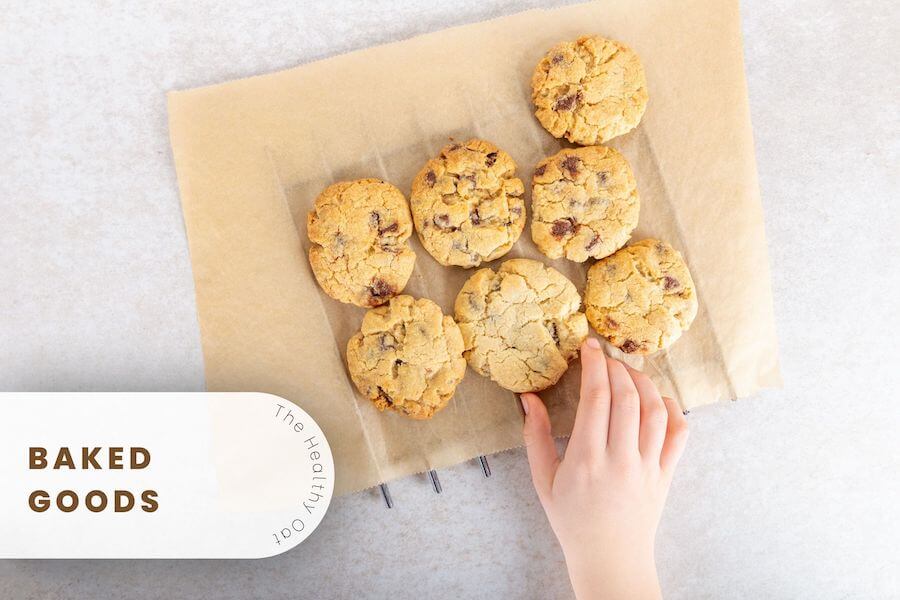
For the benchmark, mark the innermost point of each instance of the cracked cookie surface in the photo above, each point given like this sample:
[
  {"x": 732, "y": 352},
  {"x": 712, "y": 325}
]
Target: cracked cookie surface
[
  {"x": 641, "y": 298},
  {"x": 359, "y": 231},
  {"x": 590, "y": 90},
  {"x": 584, "y": 203},
  {"x": 407, "y": 357},
  {"x": 521, "y": 324},
  {"x": 467, "y": 204}
]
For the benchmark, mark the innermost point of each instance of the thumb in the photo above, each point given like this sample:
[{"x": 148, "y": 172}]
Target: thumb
[{"x": 542, "y": 455}]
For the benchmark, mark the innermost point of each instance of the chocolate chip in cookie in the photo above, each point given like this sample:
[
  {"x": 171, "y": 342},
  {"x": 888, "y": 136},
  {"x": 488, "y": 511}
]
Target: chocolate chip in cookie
[
  {"x": 471, "y": 195},
  {"x": 352, "y": 228},
  {"x": 589, "y": 90},
  {"x": 570, "y": 165},
  {"x": 521, "y": 324},
  {"x": 567, "y": 102},
  {"x": 407, "y": 357},
  {"x": 563, "y": 227},
  {"x": 379, "y": 291},
  {"x": 629, "y": 346},
  {"x": 585, "y": 205},
  {"x": 633, "y": 305}
]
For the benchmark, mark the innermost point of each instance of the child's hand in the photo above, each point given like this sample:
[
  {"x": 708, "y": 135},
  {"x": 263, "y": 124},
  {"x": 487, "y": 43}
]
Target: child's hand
[{"x": 604, "y": 499}]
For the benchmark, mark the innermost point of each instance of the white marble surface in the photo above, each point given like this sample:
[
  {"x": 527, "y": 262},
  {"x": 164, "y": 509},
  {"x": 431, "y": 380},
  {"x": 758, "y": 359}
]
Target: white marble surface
[{"x": 792, "y": 494}]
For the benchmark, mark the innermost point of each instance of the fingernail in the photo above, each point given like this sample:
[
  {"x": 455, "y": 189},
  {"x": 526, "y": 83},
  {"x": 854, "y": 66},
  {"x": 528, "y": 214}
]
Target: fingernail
[
  {"x": 524, "y": 403},
  {"x": 593, "y": 342}
]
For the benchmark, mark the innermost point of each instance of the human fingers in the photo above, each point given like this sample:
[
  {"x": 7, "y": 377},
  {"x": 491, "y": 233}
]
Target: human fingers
[
  {"x": 542, "y": 455},
  {"x": 592, "y": 417},
  {"x": 624, "y": 411},
  {"x": 654, "y": 417},
  {"x": 676, "y": 436}
]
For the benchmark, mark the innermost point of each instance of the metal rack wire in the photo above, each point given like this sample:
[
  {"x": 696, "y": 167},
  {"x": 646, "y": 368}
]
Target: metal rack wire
[{"x": 435, "y": 482}]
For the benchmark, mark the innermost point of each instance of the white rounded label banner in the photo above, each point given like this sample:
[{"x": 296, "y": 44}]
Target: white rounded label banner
[{"x": 159, "y": 475}]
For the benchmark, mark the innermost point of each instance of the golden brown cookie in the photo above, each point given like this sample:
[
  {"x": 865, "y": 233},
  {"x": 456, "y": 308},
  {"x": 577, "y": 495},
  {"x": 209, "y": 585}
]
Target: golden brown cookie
[
  {"x": 590, "y": 90},
  {"x": 521, "y": 324},
  {"x": 584, "y": 203},
  {"x": 359, "y": 231},
  {"x": 641, "y": 298},
  {"x": 467, "y": 204},
  {"x": 407, "y": 357}
]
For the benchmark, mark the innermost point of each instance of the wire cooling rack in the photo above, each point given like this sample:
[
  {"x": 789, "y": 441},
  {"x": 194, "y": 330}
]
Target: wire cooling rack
[{"x": 435, "y": 482}]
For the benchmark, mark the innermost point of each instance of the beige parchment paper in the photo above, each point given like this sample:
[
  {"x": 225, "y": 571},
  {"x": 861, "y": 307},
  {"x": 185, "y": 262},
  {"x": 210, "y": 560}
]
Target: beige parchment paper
[{"x": 252, "y": 155}]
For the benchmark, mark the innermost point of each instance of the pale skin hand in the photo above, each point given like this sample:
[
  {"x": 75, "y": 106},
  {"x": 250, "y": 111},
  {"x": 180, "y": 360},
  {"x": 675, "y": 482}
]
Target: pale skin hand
[{"x": 605, "y": 498}]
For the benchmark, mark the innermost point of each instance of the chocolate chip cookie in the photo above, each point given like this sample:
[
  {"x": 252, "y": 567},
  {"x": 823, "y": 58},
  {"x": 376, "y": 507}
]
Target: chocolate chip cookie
[
  {"x": 359, "y": 231},
  {"x": 407, "y": 357},
  {"x": 467, "y": 204},
  {"x": 641, "y": 298},
  {"x": 590, "y": 90},
  {"x": 584, "y": 203},
  {"x": 521, "y": 324}
]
